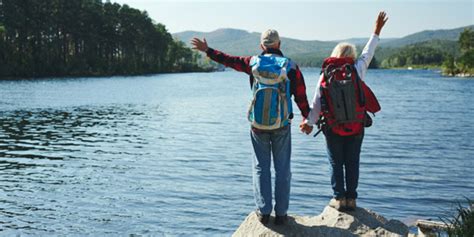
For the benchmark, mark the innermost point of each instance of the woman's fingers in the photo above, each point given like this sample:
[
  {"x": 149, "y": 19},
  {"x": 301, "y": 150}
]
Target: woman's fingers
[
  {"x": 382, "y": 18},
  {"x": 380, "y": 22}
]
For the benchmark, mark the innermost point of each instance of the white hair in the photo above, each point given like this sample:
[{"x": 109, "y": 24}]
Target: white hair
[{"x": 344, "y": 50}]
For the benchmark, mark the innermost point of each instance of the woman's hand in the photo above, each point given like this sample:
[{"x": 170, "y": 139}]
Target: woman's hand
[
  {"x": 304, "y": 127},
  {"x": 381, "y": 19},
  {"x": 199, "y": 45}
]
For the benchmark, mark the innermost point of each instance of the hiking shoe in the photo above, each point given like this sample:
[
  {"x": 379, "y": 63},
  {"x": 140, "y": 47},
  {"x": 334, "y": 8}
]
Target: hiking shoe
[
  {"x": 263, "y": 218},
  {"x": 350, "y": 204},
  {"x": 281, "y": 220},
  {"x": 339, "y": 204}
]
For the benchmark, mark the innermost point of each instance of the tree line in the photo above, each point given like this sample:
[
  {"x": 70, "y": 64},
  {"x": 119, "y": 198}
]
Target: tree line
[
  {"x": 454, "y": 57},
  {"x": 463, "y": 64},
  {"x": 41, "y": 38},
  {"x": 413, "y": 55}
]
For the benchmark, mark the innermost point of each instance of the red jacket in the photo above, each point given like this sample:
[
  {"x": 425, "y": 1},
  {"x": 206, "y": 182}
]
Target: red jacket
[{"x": 242, "y": 64}]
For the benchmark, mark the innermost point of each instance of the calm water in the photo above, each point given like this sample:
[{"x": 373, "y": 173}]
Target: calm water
[{"x": 171, "y": 154}]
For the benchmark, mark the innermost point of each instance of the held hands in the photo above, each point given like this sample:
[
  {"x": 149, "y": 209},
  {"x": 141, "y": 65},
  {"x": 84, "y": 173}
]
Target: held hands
[
  {"x": 199, "y": 45},
  {"x": 380, "y": 22},
  {"x": 304, "y": 127}
]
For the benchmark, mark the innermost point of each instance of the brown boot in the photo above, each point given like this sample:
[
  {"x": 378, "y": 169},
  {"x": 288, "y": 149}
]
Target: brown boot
[
  {"x": 351, "y": 204},
  {"x": 339, "y": 204}
]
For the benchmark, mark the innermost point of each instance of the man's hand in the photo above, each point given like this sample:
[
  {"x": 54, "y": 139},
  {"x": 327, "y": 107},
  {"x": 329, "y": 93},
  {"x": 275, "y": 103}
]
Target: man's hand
[
  {"x": 304, "y": 127},
  {"x": 380, "y": 22},
  {"x": 199, "y": 45}
]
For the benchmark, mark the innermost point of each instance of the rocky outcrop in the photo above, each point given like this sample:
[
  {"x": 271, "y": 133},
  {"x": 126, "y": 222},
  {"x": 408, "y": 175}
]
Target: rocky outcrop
[{"x": 331, "y": 223}]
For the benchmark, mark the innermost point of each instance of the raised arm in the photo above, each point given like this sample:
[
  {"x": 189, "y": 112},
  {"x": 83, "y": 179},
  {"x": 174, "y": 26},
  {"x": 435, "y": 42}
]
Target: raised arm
[
  {"x": 367, "y": 54},
  {"x": 240, "y": 64}
]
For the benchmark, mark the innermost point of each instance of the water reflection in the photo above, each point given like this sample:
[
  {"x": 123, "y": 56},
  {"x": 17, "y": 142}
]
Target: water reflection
[
  {"x": 49, "y": 160},
  {"x": 125, "y": 161},
  {"x": 40, "y": 134}
]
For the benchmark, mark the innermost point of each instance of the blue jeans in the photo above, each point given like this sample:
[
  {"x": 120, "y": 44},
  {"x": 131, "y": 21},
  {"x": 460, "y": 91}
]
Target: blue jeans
[
  {"x": 266, "y": 143},
  {"x": 344, "y": 153}
]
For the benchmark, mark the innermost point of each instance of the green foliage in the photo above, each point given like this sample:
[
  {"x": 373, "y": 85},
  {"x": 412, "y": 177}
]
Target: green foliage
[
  {"x": 374, "y": 63},
  {"x": 466, "y": 40},
  {"x": 464, "y": 64},
  {"x": 413, "y": 55},
  {"x": 427, "y": 35},
  {"x": 449, "y": 67},
  {"x": 308, "y": 60},
  {"x": 84, "y": 37},
  {"x": 462, "y": 223},
  {"x": 466, "y": 61}
]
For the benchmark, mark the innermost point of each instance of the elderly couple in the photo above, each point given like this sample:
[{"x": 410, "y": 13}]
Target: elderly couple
[{"x": 339, "y": 107}]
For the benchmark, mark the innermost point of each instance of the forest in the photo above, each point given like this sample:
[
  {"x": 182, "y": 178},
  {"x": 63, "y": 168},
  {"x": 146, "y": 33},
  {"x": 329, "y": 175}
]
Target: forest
[
  {"x": 454, "y": 57},
  {"x": 462, "y": 64},
  {"x": 51, "y": 38},
  {"x": 415, "y": 54}
]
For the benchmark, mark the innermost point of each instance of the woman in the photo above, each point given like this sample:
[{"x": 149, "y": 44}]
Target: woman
[{"x": 343, "y": 138}]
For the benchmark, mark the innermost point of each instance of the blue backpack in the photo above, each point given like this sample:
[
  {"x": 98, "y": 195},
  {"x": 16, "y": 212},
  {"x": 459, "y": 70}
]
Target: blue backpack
[{"x": 271, "y": 105}]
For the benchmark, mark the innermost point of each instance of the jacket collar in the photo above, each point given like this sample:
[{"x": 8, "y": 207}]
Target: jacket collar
[{"x": 272, "y": 51}]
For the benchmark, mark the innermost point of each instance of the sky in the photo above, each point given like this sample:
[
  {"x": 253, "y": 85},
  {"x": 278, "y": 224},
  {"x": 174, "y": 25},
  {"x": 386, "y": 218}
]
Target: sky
[{"x": 309, "y": 20}]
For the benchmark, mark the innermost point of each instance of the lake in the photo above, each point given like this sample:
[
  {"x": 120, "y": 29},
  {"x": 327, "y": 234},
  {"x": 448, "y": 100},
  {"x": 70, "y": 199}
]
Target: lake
[{"x": 171, "y": 154}]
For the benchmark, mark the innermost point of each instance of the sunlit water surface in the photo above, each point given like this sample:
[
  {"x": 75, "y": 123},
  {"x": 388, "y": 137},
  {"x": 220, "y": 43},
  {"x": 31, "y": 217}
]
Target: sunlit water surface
[{"x": 171, "y": 154}]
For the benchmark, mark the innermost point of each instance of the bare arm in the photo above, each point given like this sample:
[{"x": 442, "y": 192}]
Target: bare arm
[{"x": 368, "y": 52}]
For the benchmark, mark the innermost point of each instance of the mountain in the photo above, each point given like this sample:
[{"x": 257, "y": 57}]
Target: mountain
[
  {"x": 427, "y": 35},
  {"x": 312, "y": 52},
  {"x": 241, "y": 42},
  {"x": 237, "y": 41},
  {"x": 362, "y": 41}
]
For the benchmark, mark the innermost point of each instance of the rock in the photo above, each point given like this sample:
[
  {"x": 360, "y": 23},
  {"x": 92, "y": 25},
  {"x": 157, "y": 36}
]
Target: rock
[{"x": 361, "y": 222}]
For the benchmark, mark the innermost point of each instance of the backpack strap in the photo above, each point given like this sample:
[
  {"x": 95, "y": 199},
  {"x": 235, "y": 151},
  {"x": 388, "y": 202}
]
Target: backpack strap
[
  {"x": 284, "y": 99},
  {"x": 329, "y": 72},
  {"x": 266, "y": 108},
  {"x": 361, "y": 90}
]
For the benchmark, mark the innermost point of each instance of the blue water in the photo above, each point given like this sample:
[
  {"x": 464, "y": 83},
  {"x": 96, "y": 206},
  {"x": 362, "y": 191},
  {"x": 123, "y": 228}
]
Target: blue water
[{"x": 171, "y": 155}]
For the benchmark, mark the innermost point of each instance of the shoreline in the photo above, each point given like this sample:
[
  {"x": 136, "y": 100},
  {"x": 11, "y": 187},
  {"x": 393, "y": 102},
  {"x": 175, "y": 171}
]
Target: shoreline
[
  {"x": 92, "y": 75},
  {"x": 210, "y": 70},
  {"x": 458, "y": 75}
]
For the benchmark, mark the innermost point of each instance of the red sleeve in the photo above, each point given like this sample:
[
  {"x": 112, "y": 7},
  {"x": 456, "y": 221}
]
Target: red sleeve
[
  {"x": 298, "y": 89},
  {"x": 240, "y": 64},
  {"x": 371, "y": 103}
]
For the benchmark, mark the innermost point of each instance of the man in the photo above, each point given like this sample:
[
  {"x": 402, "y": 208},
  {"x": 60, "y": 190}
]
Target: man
[{"x": 271, "y": 75}]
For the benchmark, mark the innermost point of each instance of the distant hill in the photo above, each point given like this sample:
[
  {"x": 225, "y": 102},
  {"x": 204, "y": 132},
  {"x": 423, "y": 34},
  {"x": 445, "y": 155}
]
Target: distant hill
[
  {"x": 427, "y": 35},
  {"x": 240, "y": 42},
  {"x": 311, "y": 52},
  {"x": 363, "y": 41},
  {"x": 448, "y": 47}
]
